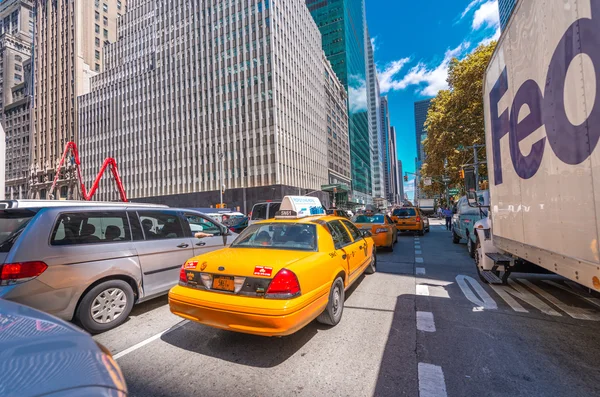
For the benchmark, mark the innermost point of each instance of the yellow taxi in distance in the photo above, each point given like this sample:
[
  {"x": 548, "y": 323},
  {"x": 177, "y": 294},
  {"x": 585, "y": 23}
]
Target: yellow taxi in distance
[
  {"x": 408, "y": 219},
  {"x": 381, "y": 227},
  {"x": 278, "y": 275}
]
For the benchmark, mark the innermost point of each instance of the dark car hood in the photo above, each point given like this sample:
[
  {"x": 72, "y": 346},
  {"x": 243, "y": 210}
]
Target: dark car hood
[{"x": 40, "y": 354}]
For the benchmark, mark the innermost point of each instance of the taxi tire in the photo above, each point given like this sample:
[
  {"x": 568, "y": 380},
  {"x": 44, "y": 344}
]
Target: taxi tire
[
  {"x": 329, "y": 316},
  {"x": 372, "y": 268},
  {"x": 83, "y": 316}
]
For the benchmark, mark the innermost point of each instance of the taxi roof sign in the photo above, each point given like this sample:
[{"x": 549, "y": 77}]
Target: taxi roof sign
[{"x": 293, "y": 207}]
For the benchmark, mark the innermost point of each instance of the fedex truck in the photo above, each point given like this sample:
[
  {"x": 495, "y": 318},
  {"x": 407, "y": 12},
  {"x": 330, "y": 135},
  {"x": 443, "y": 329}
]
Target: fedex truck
[{"x": 542, "y": 123}]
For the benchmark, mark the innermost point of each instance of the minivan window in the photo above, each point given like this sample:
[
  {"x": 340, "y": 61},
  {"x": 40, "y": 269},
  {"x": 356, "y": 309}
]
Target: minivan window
[
  {"x": 12, "y": 223},
  {"x": 200, "y": 224},
  {"x": 273, "y": 208},
  {"x": 259, "y": 212},
  {"x": 161, "y": 225},
  {"x": 76, "y": 228}
]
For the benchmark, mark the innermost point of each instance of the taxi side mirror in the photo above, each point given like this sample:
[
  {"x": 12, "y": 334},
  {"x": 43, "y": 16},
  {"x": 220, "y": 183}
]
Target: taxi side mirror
[{"x": 366, "y": 233}]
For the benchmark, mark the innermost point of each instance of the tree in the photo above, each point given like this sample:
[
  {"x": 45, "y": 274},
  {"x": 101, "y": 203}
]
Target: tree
[{"x": 455, "y": 119}]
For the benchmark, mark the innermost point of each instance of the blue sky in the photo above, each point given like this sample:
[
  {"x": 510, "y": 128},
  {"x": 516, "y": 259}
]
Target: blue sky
[{"x": 413, "y": 41}]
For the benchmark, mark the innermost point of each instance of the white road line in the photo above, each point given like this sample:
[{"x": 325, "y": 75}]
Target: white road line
[
  {"x": 419, "y": 259},
  {"x": 150, "y": 339},
  {"x": 420, "y": 271},
  {"x": 483, "y": 301},
  {"x": 431, "y": 381},
  {"x": 417, "y": 247},
  {"x": 418, "y": 252},
  {"x": 425, "y": 322},
  {"x": 422, "y": 290}
]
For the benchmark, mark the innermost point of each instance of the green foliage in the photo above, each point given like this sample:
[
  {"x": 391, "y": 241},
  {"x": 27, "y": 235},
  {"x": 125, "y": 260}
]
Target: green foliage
[{"x": 455, "y": 119}]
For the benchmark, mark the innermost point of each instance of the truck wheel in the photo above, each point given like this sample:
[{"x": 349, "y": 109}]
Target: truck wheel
[
  {"x": 335, "y": 307},
  {"x": 470, "y": 247},
  {"x": 105, "y": 306},
  {"x": 455, "y": 237}
]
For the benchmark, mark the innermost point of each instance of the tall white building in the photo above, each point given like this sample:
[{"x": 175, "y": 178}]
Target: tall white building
[
  {"x": 375, "y": 125},
  {"x": 199, "y": 95}
]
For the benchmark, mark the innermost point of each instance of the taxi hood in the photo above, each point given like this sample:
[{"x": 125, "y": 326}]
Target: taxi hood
[{"x": 247, "y": 262}]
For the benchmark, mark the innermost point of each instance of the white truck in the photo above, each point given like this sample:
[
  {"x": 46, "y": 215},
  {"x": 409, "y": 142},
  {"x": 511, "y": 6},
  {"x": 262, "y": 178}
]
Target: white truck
[
  {"x": 542, "y": 124},
  {"x": 427, "y": 206}
]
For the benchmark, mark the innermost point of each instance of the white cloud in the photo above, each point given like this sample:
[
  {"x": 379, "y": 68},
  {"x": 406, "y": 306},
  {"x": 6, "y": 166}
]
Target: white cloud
[
  {"x": 487, "y": 15},
  {"x": 470, "y": 7},
  {"x": 494, "y": 37},
  {"x": 374, "y": 43},
  {"x": 430, "y": 80}
]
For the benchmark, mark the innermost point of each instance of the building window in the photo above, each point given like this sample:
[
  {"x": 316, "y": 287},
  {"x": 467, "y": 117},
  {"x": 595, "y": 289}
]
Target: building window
[
  {"x": 18, "y": 77},
  {"x": 97, "y": 15},
  {"x": 97, "y": 54},
  {"x": 97, "y": 67},
  {"x": 97, "y": 42},
  {"x": 105, "y": 20},
  {"x": 105, "y": 34},
  {"x": 105, "y": 7},
  {"x": 119, "y": 5},
  {"x": 97, "y": 3},
  {"x": 97, "y": 28}
]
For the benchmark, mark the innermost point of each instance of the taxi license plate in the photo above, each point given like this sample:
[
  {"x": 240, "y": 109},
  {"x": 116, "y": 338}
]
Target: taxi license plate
[{"x": 223, "y": 283}]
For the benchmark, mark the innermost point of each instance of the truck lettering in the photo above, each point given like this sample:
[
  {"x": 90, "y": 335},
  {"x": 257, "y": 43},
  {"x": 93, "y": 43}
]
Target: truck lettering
[{"x": 572, "y": 144}]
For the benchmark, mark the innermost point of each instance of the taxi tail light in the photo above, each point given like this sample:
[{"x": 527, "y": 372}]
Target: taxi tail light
[
  {"x": 182, "y": 275},
  {"x": 284, "y": 285},
  {"x": 418, "y": 219},
  {"x": 12, "y": 273}
]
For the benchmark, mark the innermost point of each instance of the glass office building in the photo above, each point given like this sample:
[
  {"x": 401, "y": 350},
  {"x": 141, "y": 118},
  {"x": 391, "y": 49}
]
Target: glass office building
[
  {"x": 342, "y": 25},
  {"x": 421, "y": 109},
  {"x": 506, "y": 8}
]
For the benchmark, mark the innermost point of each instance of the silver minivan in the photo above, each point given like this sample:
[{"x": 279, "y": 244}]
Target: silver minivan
[{"x": 91, "y": 264}]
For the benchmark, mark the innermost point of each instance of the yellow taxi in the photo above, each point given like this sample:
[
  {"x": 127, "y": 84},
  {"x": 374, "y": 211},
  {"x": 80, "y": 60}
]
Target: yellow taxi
[
  {"x": 278, "y": 275},
  {"x": 381, "y": 227},
  {"x": 409, "y": 219}
]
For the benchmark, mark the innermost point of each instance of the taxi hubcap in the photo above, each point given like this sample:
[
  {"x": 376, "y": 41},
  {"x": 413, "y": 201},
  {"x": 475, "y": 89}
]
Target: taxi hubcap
[
  {"x": 108, "y": 305},
  {"x": 336, "y": 300}
]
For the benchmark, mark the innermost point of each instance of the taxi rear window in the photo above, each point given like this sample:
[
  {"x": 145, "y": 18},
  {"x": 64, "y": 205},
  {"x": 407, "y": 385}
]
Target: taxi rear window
[
  {"x": 368, "y": 219},
  {"x": 285, "y": 236},
  {"x": 404, "y": 212}
]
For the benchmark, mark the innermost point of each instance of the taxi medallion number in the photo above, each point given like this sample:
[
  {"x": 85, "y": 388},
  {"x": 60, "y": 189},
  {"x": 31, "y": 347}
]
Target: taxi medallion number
[{"x": 223, "y": 283}]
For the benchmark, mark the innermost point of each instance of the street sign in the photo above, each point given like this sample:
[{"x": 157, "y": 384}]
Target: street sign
[
  {"x": 427, "y": 181},
  {"x": 453, "y": 192},
  {"x": 446, "y": 179}
]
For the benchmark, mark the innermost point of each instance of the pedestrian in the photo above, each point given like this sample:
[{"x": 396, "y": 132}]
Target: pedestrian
[
  {"x": 448, "y": 215},
  {"x": 440, "y": 212}
]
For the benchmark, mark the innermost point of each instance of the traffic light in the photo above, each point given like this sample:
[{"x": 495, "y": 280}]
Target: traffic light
[
  {"x": 462, "y": 174},
  {"x": 405, "y": 178}
]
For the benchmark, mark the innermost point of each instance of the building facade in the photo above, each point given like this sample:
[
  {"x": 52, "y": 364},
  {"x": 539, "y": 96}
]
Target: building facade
[
  {"x": 505, "y": 8},
  {"x": 393, "y": 195},
  {"x": 375, "y": 126},
  {"x": 231, "y": 98},
  {"x": 342, "y": 24},
  {"x": 400, "y": 182},
  {"x": 388, "y": 177},
  {"x": 338, "y": 143},
  {"x": 421, "y": 108},
  {"x": 16, "y": 38},
  {"x": 69, "y": 38}
]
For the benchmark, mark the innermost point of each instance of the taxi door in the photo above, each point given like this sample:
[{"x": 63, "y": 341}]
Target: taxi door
[
  {"x": 358, "y": 247},
  {"x": 343, "y": 244}
]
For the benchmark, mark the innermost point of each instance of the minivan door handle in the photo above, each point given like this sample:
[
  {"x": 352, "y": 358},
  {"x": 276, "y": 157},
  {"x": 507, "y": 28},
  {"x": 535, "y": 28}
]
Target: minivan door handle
[
  {"x": 183, "y": 245},
  {"x": 201, "y": 244}
]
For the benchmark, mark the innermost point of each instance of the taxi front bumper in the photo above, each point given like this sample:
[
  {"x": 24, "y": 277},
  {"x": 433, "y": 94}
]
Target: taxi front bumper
[{"x": 200, "y": 306}]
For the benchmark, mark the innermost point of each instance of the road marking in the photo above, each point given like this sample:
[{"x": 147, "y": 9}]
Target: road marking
[
  {"x": 578, "y": 313},
  {"x": 484, "y": 301},
  {"x": 419, "y": 259},
  {"x": 418, "y": 252},
  {"x": 575, "y": 290},
  {"x": 425, "y": 322},
  {"x": 417, "y": 247},
  {"x": 422, "y": 290},
  {"x": 151, "y": 339},
  {"x": 518, "y": 291},
  {"x": 420, "y": 271},
  {"x": 431, "y": 381}
]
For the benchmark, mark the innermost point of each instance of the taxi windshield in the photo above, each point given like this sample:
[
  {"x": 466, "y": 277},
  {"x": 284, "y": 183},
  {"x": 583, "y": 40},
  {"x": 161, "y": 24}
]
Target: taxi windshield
[
  {"x": 368, "y": 219},
  {"x": 286, "y": 236}
]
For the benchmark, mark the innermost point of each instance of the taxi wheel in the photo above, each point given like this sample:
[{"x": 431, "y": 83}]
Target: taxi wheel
[
  {"x": 105, "y": 306},
  {"x": 335, "y": 307},
  {"x": 421, "y": 232},
  {"x": 372, "y": 268}
]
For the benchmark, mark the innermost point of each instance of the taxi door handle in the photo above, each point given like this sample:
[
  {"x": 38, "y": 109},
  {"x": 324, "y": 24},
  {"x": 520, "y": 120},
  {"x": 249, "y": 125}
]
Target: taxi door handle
[
  {"x": 361, "y": 247},
  {"x": 344, "y": 256},
  {"x": 201, "y": 244},
  {"x": 183, "y": 245}
]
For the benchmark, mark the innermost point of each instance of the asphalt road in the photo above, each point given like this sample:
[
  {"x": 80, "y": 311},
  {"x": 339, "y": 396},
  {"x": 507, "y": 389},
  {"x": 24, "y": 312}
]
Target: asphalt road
[{"x": 423, "y": 325}]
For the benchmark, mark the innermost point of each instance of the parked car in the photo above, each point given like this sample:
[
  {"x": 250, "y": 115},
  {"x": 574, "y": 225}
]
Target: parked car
[
  {"x": 464, "y": 220},
  {"x": 91, "y": 264},
  {"x": 264, "y": 211},
  {"x": 41, "y": 355},
  {"x": 237, "y": 224}
]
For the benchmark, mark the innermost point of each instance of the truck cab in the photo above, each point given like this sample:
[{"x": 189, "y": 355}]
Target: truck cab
[{"x": 464, "y": 220}]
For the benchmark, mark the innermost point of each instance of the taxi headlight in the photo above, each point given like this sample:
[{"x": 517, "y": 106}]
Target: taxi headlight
[
  {"x": 207, "y": 280},
  {"x": 381, "y": 230}
]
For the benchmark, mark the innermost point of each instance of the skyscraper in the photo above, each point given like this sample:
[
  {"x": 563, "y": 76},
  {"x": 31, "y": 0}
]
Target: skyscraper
[
  {"x": 394, "y": 176},
  {"x": 233, "y": 97},
  {"x": 16, "y": 38},
  {"x": 421, "y": 109},
  {"x": 505, "y": 8},
  {"x": 401, "y": 181},
  {"x": 375, "y": 125},
  {"x": 69, "y": 38},
  {"x": 342, "y": 25}
]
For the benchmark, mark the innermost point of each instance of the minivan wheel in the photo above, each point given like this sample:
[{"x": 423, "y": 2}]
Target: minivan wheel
[{"x": 105, "y": 306}]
